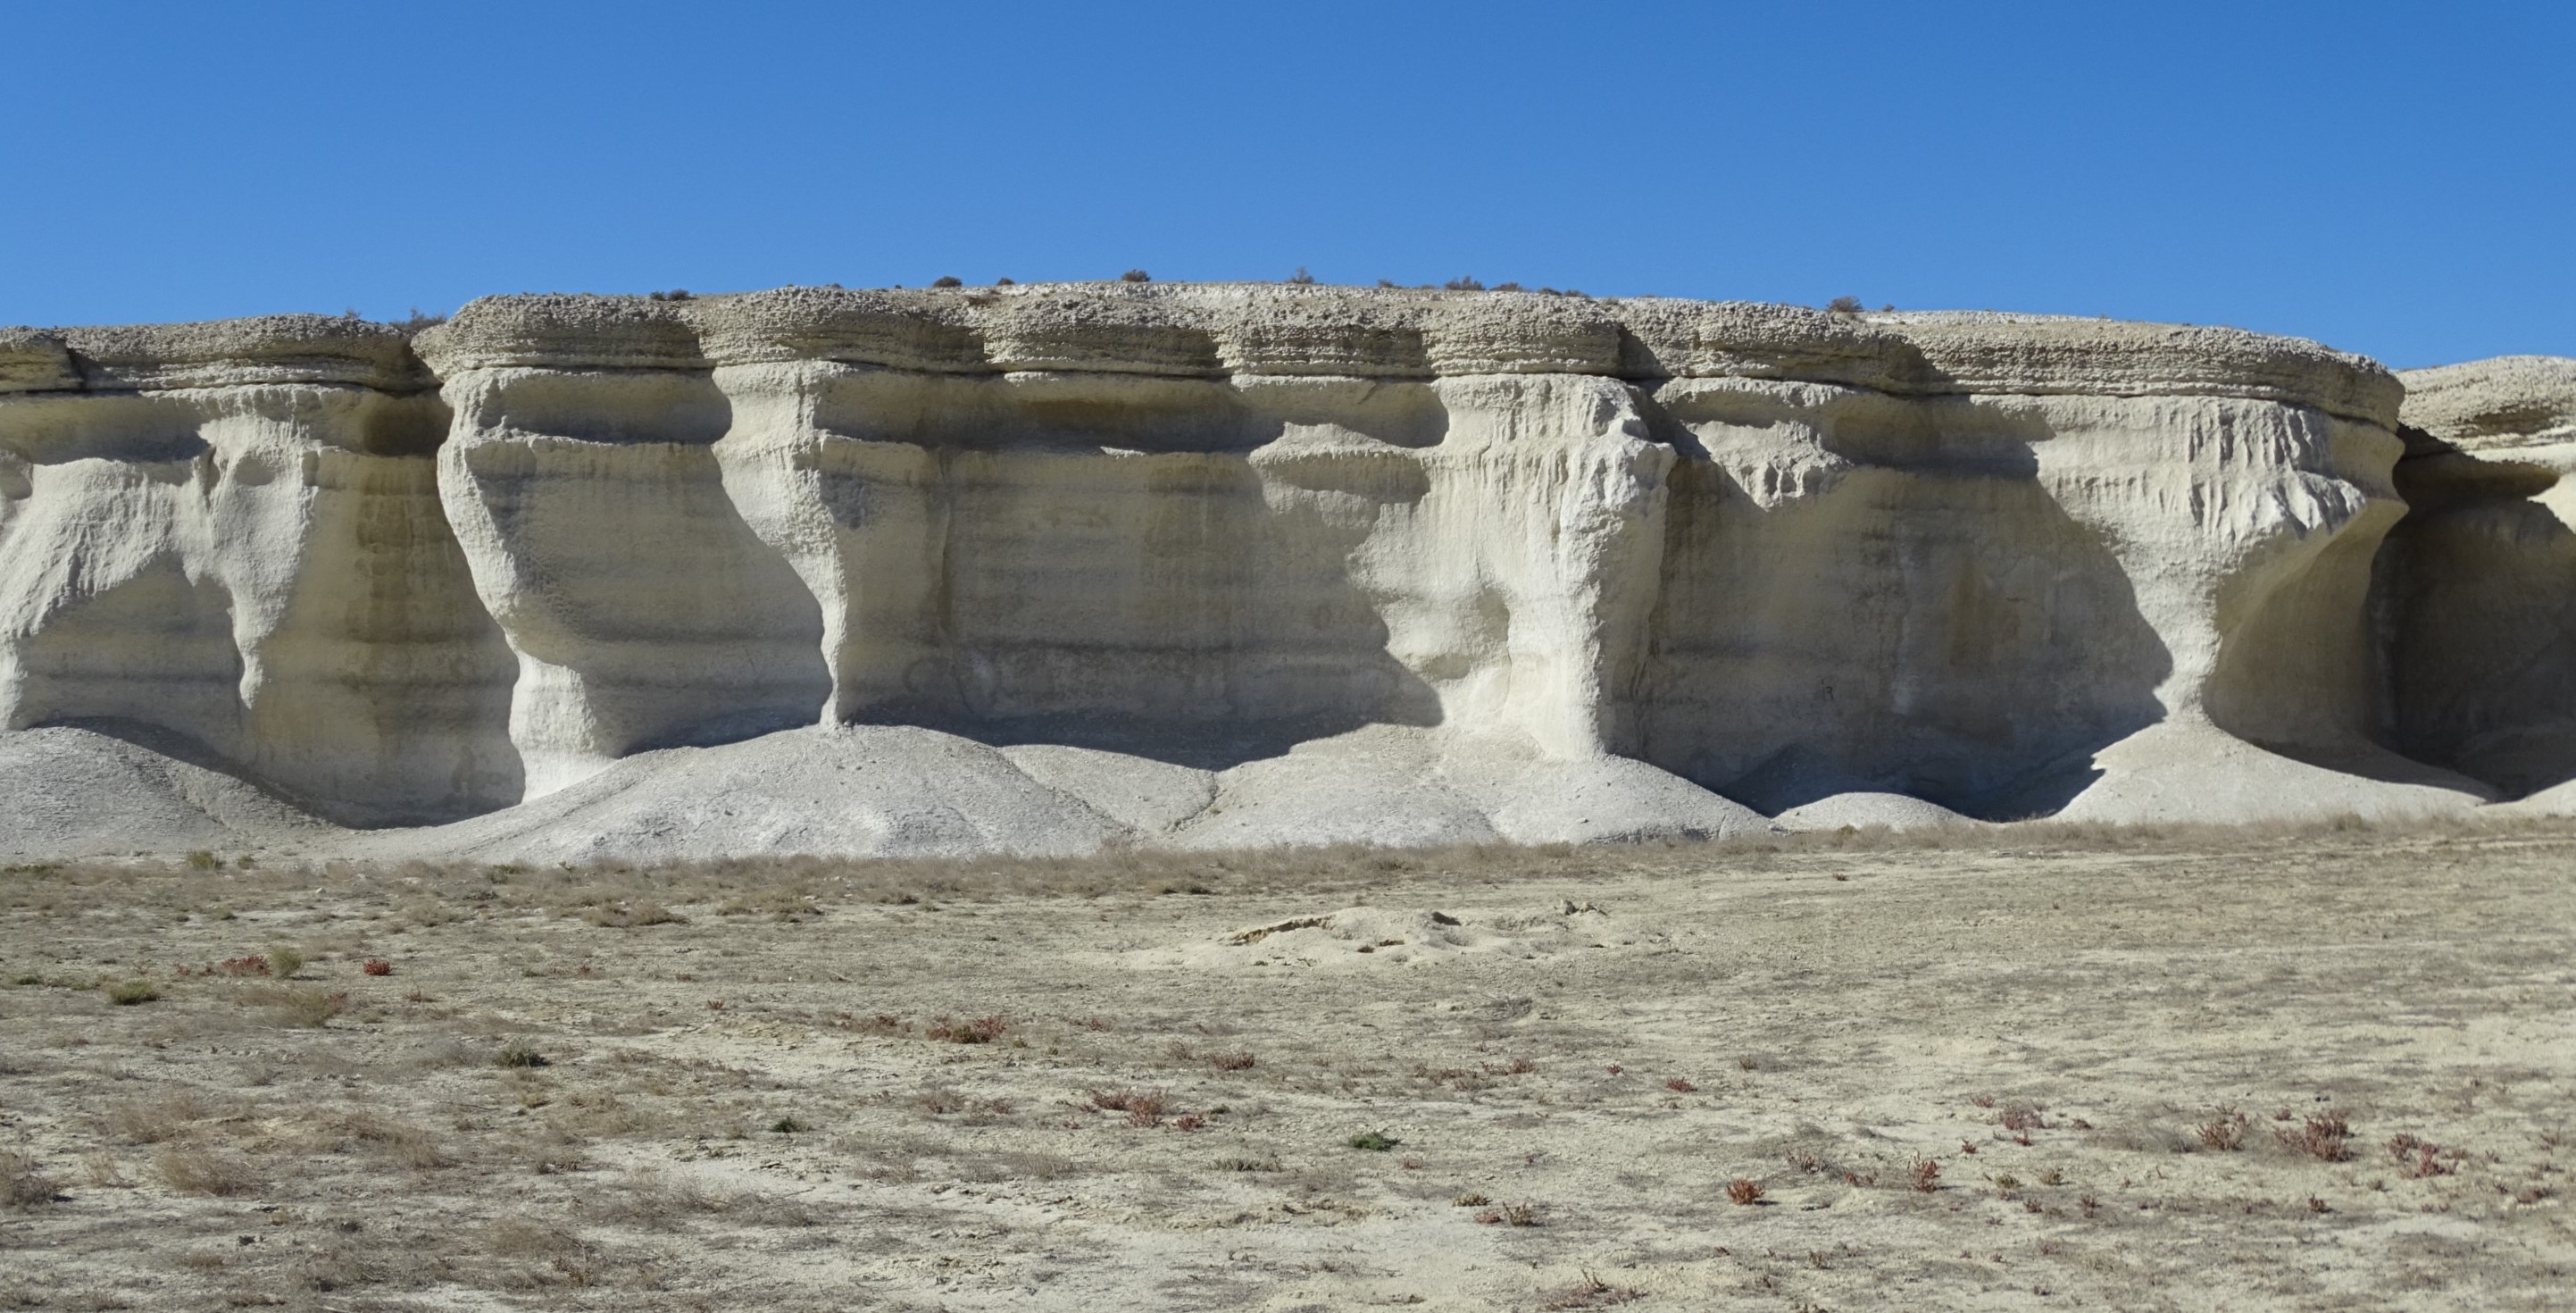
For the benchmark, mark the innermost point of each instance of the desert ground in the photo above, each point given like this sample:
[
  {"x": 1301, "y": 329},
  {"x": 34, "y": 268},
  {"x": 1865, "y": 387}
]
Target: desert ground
[{"x": 2031, "y": 1067}]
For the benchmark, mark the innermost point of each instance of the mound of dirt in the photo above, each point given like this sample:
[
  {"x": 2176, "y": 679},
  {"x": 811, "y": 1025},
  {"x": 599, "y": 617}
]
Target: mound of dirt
[
  {"x": 856, "y": 790},
  {"x": 1862, "y": 811},
  {"x": 1408, "y": 788},
  {"x": 80, "y": 793}
]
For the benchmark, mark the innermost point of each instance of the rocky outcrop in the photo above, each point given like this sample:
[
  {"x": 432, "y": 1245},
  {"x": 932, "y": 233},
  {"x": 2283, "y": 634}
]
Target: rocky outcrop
[
  {"x": 1289, "y": 563},
  {"x": 2477, "y": 592},
  {"x": 231, "y": 533}
]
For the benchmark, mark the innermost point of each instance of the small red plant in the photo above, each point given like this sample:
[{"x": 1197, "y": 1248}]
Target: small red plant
[
  {"x": 2224, "y": 1132},
  {"x": 2025, "y": 1117},
  {"x": 982, "y": 1030},
  {"x": 1744, "y": 1191},
  {"x": 2324, "y": 1136},
  {"x": 1231, "y": 1061},
  {"x": 376, "y": 966},
  {"x": 2421, "y": 1158},
  {"x": 254, "y": 965},
  {"x": 1188, "y": 1121},
  {"x": 1680, "y": 1086},
  {"x": 1926, "y": 1174},
  {"x": 1143, "y": 1107}
]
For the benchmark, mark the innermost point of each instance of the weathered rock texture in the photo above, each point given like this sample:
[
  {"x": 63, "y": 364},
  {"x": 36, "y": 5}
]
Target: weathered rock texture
[
  {"x": 2477, "y": 590},
  {"x": 1230, "y": 564}
]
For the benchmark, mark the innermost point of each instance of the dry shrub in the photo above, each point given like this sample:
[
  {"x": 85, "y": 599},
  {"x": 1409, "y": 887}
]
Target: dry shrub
[
  {"x": 513, "y": 1237},
  {"x": 1143, "y": 1107},
  {"x": 1509, "y": 1215},
  {"x": 345, "y": 1264},
  {"x": 308, "y": 1008},
  {"x": 1231, "y": 1061},
  {"x": 404, "y": 1143},
  {"x": 651, "y": 1199},
  {"x": 196, "y": 1171},
  {"x": 2324, "y": 1136},
  {"x": 623, "y": 916},
  {"x": 1925, "y": 1175},
  {"x": 1590, "y": 1291},
  {"x": 2418, "y": 1158},
  {"x": 24, "y": 1183},
  {"x": 1744, "y": 1191},
  {"x": 981, "y": 1030},
  {"x": 2224, "y": 1131},
  {"x": 150, "y": 1121}
]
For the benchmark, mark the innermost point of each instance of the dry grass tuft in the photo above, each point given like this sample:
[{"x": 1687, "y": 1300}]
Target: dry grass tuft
[
  {"x": 24, "y": 1183},
  {"x": 1590, "y": 1291},
  {"x": 197, "y": 1171},
  {"x": 309, "y": 1008},
  {"x": 152, "y": 1120}
]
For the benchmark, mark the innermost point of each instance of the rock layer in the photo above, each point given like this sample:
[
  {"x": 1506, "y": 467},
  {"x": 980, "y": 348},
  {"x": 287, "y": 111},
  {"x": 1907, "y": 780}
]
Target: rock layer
[
  {"x": 1483, "y": 557},
  {"x": 2477, "y": 592}
]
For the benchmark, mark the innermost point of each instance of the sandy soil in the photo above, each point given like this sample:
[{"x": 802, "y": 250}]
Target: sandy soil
[{"x": 1083, "y": 1085}]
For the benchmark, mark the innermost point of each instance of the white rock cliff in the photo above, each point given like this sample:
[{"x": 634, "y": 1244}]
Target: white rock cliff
[{"x": 1039, "y": 568}]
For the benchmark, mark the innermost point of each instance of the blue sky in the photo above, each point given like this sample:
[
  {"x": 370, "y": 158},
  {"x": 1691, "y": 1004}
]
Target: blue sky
[{"x": 2393, "y": 179}]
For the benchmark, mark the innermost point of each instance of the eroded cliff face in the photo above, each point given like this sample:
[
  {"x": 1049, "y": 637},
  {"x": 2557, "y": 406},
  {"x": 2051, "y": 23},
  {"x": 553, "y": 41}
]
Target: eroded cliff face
[
  {"x": 2477, "y": 592},
  {"x": 230, "y": 534},
  {"x": 2008, "y": 564}
]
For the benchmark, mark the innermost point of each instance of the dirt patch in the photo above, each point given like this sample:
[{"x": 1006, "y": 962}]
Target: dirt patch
[{"x": 2032, "y": 1067}]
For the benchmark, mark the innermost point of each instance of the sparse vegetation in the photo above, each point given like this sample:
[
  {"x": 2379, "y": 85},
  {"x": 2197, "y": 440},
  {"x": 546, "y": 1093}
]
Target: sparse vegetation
[
  {"x": 1135, "y": 276},
  {"x": 199, "y": 1171},
  {"x": 23, "y": 1181},
  {"x": 1844, "y": 305},
  {"x": 132, "y": 992},
  {"x": 2224, "y": 1131},
  {"x": 840, "y": 1096},
  {"x": 519, "y": 1053},
  {"x": 2324, "y": 1136}
]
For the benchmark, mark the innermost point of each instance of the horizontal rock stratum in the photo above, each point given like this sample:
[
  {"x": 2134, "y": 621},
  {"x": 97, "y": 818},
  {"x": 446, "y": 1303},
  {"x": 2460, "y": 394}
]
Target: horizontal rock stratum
[{"x": 1040, "y": 568}]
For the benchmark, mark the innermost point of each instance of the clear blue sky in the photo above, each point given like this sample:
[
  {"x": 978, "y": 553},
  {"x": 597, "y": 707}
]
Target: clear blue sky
[{"x": 2393, "y": 179}]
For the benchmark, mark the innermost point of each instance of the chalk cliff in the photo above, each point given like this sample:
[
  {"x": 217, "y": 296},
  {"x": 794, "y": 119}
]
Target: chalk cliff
[
  {"x": 2477, "y": 591},
  {"x": 1226, "y": 564}
]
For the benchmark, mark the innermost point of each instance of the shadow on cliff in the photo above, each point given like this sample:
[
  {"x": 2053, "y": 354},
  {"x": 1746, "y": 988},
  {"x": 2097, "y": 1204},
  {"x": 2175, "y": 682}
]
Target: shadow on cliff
[
  {"x": 2473, "y": 599},
  {"x": 1196, "y": 597},
  {"x": 1855, "y": 602}
]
